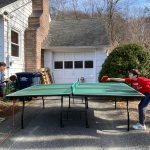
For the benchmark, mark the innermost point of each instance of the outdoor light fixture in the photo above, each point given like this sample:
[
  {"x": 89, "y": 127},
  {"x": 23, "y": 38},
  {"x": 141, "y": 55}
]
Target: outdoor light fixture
[
  {"x": 5, "y": 13},
  {"x": 9, "y": 61}
]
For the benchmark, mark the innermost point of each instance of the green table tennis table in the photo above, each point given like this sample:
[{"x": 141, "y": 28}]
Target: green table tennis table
[
  {"x": 41, "y": 91},
  {"x": 84, "y": 90}
]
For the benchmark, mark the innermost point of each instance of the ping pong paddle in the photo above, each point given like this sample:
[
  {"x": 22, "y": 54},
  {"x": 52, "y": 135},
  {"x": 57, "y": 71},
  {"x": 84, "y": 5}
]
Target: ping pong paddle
[{"x": 104, "y": 78}]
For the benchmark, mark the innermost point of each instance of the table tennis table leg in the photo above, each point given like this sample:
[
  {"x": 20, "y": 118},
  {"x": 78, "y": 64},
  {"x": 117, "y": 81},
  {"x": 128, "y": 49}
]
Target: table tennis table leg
[
  {"x": 43, "y": 102},
  {"x": 61, "y": 123},
  {"x": 22, "y": 115},
  {"x": 128, "y": 116},
  {"x": 61, "y": 101},
  {"x": 128, "y": 121},
  {"x": 86, "y": 102},
  {"x": 115, "y": 103},
  {"x": 82, "y": 100},
  {"x": 86, "y": 115},
  {"x": 73, "y": 99},
  {"x": 69, "y": 101},
  {"x": 69, "y": 108}
]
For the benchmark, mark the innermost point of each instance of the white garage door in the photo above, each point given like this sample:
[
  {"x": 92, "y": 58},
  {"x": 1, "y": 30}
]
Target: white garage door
[{"x": 69, "y": 67}]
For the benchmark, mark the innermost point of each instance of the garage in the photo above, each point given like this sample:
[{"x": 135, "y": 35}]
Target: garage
[{"x": 75, "y": 49}]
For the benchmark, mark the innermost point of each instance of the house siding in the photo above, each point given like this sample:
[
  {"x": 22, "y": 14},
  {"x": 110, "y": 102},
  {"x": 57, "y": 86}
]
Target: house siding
[
  {"x": 100, "y": 58},
  {"x": 1, "y": 39},
  {"x": 48, "y": 59},
  {"x": 19, "y": 12}
]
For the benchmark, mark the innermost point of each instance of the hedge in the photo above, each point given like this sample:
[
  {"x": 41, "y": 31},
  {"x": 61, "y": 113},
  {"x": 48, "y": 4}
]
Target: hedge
[{"x": 124, "y": 58}]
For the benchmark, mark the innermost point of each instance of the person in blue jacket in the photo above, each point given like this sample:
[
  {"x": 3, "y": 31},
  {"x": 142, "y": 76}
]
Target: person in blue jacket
[{"x": 2, "y": 75}]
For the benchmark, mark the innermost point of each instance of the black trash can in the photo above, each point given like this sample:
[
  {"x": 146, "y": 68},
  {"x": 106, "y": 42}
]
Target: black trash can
[
  {"x": 27, "y": 79},
  {"x": 36, "y": 78}
]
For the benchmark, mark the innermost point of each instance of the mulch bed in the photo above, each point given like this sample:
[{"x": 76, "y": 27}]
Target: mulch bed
[
  {"x": 133, "y": 109},
  {"x": 7, "y": 108}
]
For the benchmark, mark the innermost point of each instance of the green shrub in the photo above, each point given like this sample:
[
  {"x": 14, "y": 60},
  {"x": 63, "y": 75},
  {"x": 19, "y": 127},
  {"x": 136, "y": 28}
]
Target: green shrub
[{"x": 124, "y": 58}]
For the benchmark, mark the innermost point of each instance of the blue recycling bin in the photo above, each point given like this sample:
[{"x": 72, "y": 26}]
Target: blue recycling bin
[{"x": 26, "y": 79}]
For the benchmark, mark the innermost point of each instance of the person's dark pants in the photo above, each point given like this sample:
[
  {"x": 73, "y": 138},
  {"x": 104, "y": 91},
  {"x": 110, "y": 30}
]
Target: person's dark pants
[
  {"x": 1, "y": 91},
  {"x": 143, "y": 107}
]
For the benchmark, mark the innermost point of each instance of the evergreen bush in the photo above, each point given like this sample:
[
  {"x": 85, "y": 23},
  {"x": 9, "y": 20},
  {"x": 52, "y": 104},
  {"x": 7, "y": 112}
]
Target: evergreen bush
[{"x": 124, "y": 58}]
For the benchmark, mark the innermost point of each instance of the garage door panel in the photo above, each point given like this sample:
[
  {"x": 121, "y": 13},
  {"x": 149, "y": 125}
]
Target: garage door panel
[
  {"x": 58, "y": 56},
  {"x": 78, "y": 56},
  {"x": 89, "y": 56},
  {"x": 89, "y": 74},
  {"x": 68, "y": 56},
  {"x": 68, "y": 73},
  {"x": 74, "y": 67},
  {"x": 79, "y": 73},
  {"x": 64, "y": 81},
  {"x": 89, "y": 80},
  {"x": 57, "y": 74}
]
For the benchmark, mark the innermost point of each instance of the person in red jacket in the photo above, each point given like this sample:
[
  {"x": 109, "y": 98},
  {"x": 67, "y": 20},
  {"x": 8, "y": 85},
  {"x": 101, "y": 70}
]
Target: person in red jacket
[{"x": 140, "y": 84}]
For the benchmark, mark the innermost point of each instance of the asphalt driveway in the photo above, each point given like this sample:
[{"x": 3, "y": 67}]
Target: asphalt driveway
[{"x": 108, "y": 129}]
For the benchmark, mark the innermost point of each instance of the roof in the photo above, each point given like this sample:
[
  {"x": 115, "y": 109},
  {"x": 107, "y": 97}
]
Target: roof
[
  {"x": 4, "y": 3},
  {"x": 83, "y": 32}
]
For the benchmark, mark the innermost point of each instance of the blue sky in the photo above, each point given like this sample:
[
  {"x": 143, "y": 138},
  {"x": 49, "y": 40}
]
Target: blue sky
[
  {"x": 122, "y": 4},
  {"x": 136, "y": 7},
  {"x": 130, "y": 3},
  {"x": 141, "y": 3}
]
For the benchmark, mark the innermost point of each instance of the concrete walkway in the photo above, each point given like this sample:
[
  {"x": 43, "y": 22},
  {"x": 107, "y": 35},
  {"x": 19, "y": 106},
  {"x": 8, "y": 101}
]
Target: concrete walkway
[{"x": 42, "y": 131}]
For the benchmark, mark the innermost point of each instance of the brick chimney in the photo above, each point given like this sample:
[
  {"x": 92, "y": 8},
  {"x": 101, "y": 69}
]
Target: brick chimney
[{"x": 38, "y": 26}]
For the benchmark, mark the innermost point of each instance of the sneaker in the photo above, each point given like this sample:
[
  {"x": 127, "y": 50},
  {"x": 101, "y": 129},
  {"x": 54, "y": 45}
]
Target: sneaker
[{"x": 138, "y": 126}]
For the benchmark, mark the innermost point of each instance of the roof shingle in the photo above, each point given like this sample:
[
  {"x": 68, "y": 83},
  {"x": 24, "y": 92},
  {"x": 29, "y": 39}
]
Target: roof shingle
[{"x": 83, "y": 32}]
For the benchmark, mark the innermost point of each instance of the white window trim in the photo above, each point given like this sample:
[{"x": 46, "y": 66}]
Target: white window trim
[{"x": 19, "y": 43}]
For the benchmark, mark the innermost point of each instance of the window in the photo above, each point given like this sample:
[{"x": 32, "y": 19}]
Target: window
[
  {"x": 58, "y": 64},
  {"x": 68, "y": 64},
  {"x": 14, "y": 44},
  {"x": 88, "y": 64},
  {"x": 78, "y": 64}
]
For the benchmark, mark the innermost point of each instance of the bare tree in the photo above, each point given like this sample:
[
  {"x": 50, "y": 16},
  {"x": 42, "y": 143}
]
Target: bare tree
[
  {"x": 111, "y": 7},
  {"x": 139, "y": 29},
  {"x": 75, "y": 6},
  {"x": 90, "y": 6},
  {"x": 57, "y": 7},
  {"x": 122, "y": 25}
]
